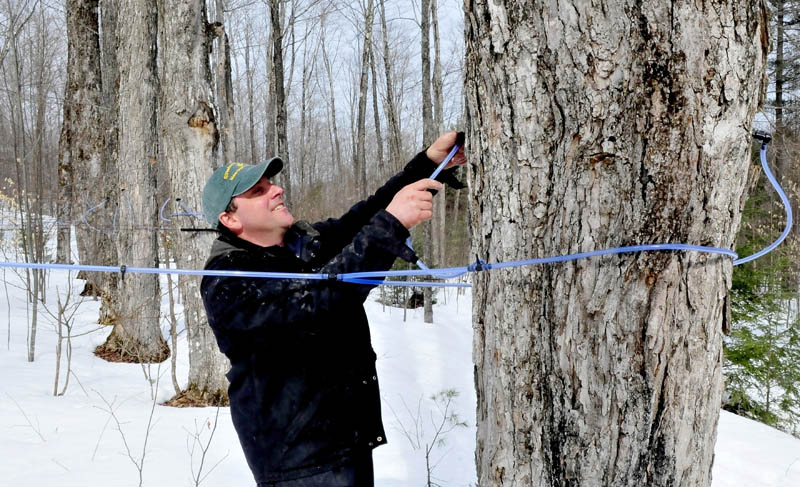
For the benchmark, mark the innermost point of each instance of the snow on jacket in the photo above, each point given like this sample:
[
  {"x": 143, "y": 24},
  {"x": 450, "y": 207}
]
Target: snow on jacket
[{"x": 303, "y": 387}]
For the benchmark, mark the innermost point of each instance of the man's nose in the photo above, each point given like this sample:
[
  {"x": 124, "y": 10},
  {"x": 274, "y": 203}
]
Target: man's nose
[{"x": 276, "y": 191}]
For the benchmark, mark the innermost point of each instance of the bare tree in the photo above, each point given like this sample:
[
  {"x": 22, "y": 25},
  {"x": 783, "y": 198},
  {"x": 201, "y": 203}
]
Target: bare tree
[
  {"x": 332, "y": 98},
  {"x": 27, "y": 148},
  {"x": 81, "y": 139},
  {"x": 82, "y": 149},
  {"x": 605, "y": 371},
  {"x": 249, "y": 75},
  {"x": 428, "y": 135},
  {"x": 360, "y": 163},
  {"x": 223, "y": 86},
  {"x": 437, "y": 83},
  {"x": 137, "y": 333},
  {"x": 279, "y": 94},
  {"x": 188, "y": 139},
  {"x": 376, "y": 117},
  {"x": 395, "y": 137},
  {"x": 104, "y": 197}
]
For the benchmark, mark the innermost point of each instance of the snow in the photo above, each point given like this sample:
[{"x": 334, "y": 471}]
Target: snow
[{"x": 73, "y": 440}]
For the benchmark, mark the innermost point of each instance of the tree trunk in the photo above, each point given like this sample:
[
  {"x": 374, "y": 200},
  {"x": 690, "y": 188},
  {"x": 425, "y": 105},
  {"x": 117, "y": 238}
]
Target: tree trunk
[
  {"x": 334, "y": 128},
  {"x": 281, "y": 140},
  {"x": 82, "y": 108},
  {"x": 42, "y": 65},
  {"x": 188, "y": 139},
  {"x": 779, "y": 160},
  {"x": 25, "y": 191},
  {"x": 107, "y": 201},
  {"x": 385, "y": 173},
  {"x": 223, "y": 86},
  {"x": 249, "y": 74},
  {"x": 594, "y": 128},
  {"x": 360, "y": 163},
  {"x": 428, "y": 134},
  {"x": 301, "y": 154},
  {"x": 137, "y": 332},
  {"x": 437, "y": 83},
  {"x": 82, "y": 139},
  {"x": 270, "y": 128},
  {"x": 395, "y": 144}
]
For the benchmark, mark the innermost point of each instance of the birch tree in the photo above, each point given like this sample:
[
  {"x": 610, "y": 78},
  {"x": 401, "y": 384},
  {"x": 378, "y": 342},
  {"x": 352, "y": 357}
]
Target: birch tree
[
  {"x": 188, "y": 139},
  {"x": 593, "y": 128}
]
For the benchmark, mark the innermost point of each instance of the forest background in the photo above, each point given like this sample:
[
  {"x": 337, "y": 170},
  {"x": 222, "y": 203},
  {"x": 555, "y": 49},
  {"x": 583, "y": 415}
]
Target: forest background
[{"x": 346, "y": 93}]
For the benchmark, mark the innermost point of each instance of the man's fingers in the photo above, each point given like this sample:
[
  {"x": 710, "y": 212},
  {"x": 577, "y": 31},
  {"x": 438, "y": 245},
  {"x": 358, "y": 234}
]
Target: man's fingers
[{"x": 424, "y": 184}]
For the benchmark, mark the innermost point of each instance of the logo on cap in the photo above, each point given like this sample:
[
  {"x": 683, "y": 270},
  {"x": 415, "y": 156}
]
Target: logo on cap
[{"x": 238, "y": 166}]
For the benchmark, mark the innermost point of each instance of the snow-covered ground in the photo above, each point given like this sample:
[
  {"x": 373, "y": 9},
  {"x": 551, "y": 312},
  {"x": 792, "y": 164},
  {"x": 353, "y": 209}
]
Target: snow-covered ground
[{"x": 73, "y": 440}]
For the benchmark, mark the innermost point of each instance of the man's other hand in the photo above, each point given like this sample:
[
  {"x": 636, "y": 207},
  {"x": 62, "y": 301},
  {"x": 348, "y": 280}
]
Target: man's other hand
[
  {"x": 413, "y": 204},
  {"x": 442, "y": 146}
]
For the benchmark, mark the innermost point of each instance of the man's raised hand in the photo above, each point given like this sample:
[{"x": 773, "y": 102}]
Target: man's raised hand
[
  {"x": 413, "y": 204},
  {"x": 442, "y": 146}
]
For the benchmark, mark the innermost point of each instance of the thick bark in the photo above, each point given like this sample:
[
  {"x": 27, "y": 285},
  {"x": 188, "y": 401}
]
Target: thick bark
[
  {"x": 81, "y": 147},
  {"x": 81, "y": 142},
  {"x": 107, "y": 202},
  {"x": 137, "y": 332},
  {"x": 188, "y": 139},
  {"x": 593, "y": 128},
  {"x": 223, "y": 88}
]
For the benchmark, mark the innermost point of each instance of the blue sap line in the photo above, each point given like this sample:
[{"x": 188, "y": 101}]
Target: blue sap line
[
  {"x": 375, "y": 278},
  {"x": 786, "y": 205}
]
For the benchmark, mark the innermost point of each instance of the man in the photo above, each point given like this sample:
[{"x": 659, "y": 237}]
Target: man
[{"x": 303, "y": 388}]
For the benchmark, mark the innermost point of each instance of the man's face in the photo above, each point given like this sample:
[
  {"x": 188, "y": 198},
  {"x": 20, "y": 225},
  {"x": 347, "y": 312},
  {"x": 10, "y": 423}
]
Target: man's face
[{"x": 260, "y": 215}]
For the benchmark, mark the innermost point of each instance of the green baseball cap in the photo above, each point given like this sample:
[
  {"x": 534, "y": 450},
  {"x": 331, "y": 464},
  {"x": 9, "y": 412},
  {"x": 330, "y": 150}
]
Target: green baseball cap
[{"x": 232, "y": 180}]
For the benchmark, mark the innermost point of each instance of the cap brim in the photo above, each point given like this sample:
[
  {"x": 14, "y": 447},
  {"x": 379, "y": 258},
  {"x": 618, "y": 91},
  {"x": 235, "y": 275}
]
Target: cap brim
[{"x": 266, "y": 169}]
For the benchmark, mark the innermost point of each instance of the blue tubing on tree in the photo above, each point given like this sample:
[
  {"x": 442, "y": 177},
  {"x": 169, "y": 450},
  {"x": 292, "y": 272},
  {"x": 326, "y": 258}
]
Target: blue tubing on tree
[{"x": 375, "y": 278}]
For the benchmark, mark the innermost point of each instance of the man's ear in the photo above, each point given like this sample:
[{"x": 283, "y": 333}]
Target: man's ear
[{"x": 230, "y": 221}]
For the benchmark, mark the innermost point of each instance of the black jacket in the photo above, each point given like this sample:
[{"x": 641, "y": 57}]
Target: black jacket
[{"x": 303, "y": 387}]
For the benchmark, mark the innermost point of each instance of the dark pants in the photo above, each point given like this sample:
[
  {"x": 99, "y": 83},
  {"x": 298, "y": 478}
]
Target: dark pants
[{"x": 356, "y": 473}]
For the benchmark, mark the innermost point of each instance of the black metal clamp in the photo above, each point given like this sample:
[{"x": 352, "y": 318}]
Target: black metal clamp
[
  {"x": 762, "y": 135},
  {"x": 479, "y": 265}
]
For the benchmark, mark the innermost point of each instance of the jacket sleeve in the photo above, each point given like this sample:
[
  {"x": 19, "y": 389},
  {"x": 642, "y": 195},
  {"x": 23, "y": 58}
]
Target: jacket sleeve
[
  {"x": 337, "y": 232},
  {"x": 251, "y": 309}
]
